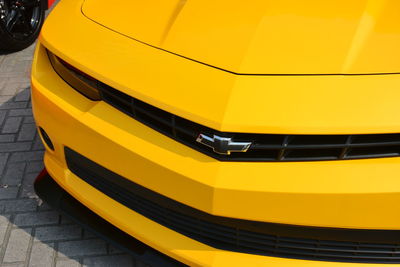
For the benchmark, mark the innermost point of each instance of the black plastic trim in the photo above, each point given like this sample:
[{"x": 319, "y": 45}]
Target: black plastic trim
[
  {"x": 291, "y": 241},
  {"x": 51, "y": 193}
]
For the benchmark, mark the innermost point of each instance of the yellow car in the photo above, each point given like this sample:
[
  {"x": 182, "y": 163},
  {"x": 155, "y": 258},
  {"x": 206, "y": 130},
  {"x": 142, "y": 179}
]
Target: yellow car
[{"x": 225, "y": 133}]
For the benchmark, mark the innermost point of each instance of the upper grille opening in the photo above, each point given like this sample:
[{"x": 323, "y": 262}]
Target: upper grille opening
[{"x": 265, "y": 147}]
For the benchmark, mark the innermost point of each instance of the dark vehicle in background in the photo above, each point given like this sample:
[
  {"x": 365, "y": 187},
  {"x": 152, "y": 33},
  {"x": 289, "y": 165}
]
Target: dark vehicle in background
[{"x": 20, "y": 22}]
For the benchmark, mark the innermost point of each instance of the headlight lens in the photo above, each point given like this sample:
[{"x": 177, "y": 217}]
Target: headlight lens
[{"x": 81, "y": 82}]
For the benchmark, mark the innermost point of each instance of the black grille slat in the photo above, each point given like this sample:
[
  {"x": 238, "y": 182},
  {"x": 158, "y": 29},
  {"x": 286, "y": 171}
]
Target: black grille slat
[
  {"x": 322, "y": 146},
  {"x": 265, "y": 147},
  {"x": 153, "y": 113},
  {"x": 371, "y": 156},
  {"x": 183, "y": 130},
  {"x": 233, "y": 236},
  {"x": 140, "y": 114},
  {"x": 117, "y": 98},
  {"x": 115, "y": 102},
  {"x": 314, "y": 247}
]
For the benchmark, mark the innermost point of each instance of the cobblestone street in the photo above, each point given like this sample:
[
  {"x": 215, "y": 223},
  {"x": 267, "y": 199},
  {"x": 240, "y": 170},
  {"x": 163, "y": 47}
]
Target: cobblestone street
[{"x": 31, "y": 233}]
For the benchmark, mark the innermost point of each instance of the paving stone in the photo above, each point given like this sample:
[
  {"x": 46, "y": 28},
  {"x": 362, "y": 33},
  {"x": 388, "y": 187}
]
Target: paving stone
[
  {"x": 11, "y": 125},
  {"x": 4, "y": 222},
  {"x": 9, "y": 74},
  {"x": 29, "y": 119},
  {"x": 13, "y": 264},
  {"x": 64, "y": 232},
  {"x": 18, "y": 205},
  {"x": 18, "y": 79},
  {"x": 9, "y": 192},
  {"x": 44, "y": 207},
  {"x": 13, "y": 174},
  {"x": 4, "y": 99},
  {"x": 109, "y": 261},
  {"x": 36, "y": 218},
  {"x": 20, "y": 112},
  {"x": 3, "y": 161},
  {"x": 38, "y": 145},
  {"x": 26, "y": 156},
  {"x": 82, "y": 248},
  {"x": 69, "y": 263},
  {"x": 27, "y": 191},
  {"x": 18, "y": 245},
  {"x": 12, "y": 105},
  {"x": 2, "y": 116},
  {"x": 24, "y": 96},
  {"x": 13, "y": 147},
  {"x": 11, "y": 88},
  {"x": 15, "y": 65},
  {"x": 42, "y": 255},
  {"x": 9, "y": 138},
  {"x": 27, "y": 132},
  {"x": 35, "y": 167},
  {"x": 29, "y": 178}
]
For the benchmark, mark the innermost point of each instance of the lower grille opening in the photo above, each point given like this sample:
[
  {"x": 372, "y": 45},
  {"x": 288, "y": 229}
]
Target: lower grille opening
[{"x": 261, "y": 238}]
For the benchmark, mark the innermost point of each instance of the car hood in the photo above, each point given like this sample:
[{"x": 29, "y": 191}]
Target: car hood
[{"x": 264, "y": 37}]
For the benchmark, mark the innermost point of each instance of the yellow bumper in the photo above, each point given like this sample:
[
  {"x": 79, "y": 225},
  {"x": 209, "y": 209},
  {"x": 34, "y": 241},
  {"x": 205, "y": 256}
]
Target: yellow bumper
[{"x": 350, "y": 194}]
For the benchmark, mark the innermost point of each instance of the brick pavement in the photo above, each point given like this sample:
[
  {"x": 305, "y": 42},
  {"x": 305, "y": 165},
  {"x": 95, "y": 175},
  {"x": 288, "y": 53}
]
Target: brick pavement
[{"x": 31, "y": 233}]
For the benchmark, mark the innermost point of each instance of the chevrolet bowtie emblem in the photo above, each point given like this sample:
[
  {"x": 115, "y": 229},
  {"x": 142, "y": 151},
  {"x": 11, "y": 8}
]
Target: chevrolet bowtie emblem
[{"x": 223, "y": 145}]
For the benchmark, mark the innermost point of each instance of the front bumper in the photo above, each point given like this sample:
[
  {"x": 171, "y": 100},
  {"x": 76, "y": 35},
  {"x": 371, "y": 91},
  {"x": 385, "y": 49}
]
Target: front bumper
[
  {"x": 344, "y": 194},
  {"x": 351, "y": 194}
]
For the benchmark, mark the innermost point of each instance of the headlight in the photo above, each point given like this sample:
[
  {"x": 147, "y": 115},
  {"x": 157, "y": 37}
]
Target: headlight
[{"x": 80, "y": 81}]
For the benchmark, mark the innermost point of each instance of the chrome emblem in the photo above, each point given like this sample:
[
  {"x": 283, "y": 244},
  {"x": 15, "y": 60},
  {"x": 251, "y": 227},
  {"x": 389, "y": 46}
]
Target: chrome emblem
[{"x": 223, "y": 145}]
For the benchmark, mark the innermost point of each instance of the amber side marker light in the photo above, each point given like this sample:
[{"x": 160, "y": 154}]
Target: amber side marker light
[{"x": 80, "y": 81}]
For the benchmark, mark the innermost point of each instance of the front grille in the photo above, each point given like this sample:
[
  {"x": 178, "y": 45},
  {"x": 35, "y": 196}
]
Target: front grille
[
  {"x": 269, "y": 239},
  {"x": 265, "y": 147}
]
